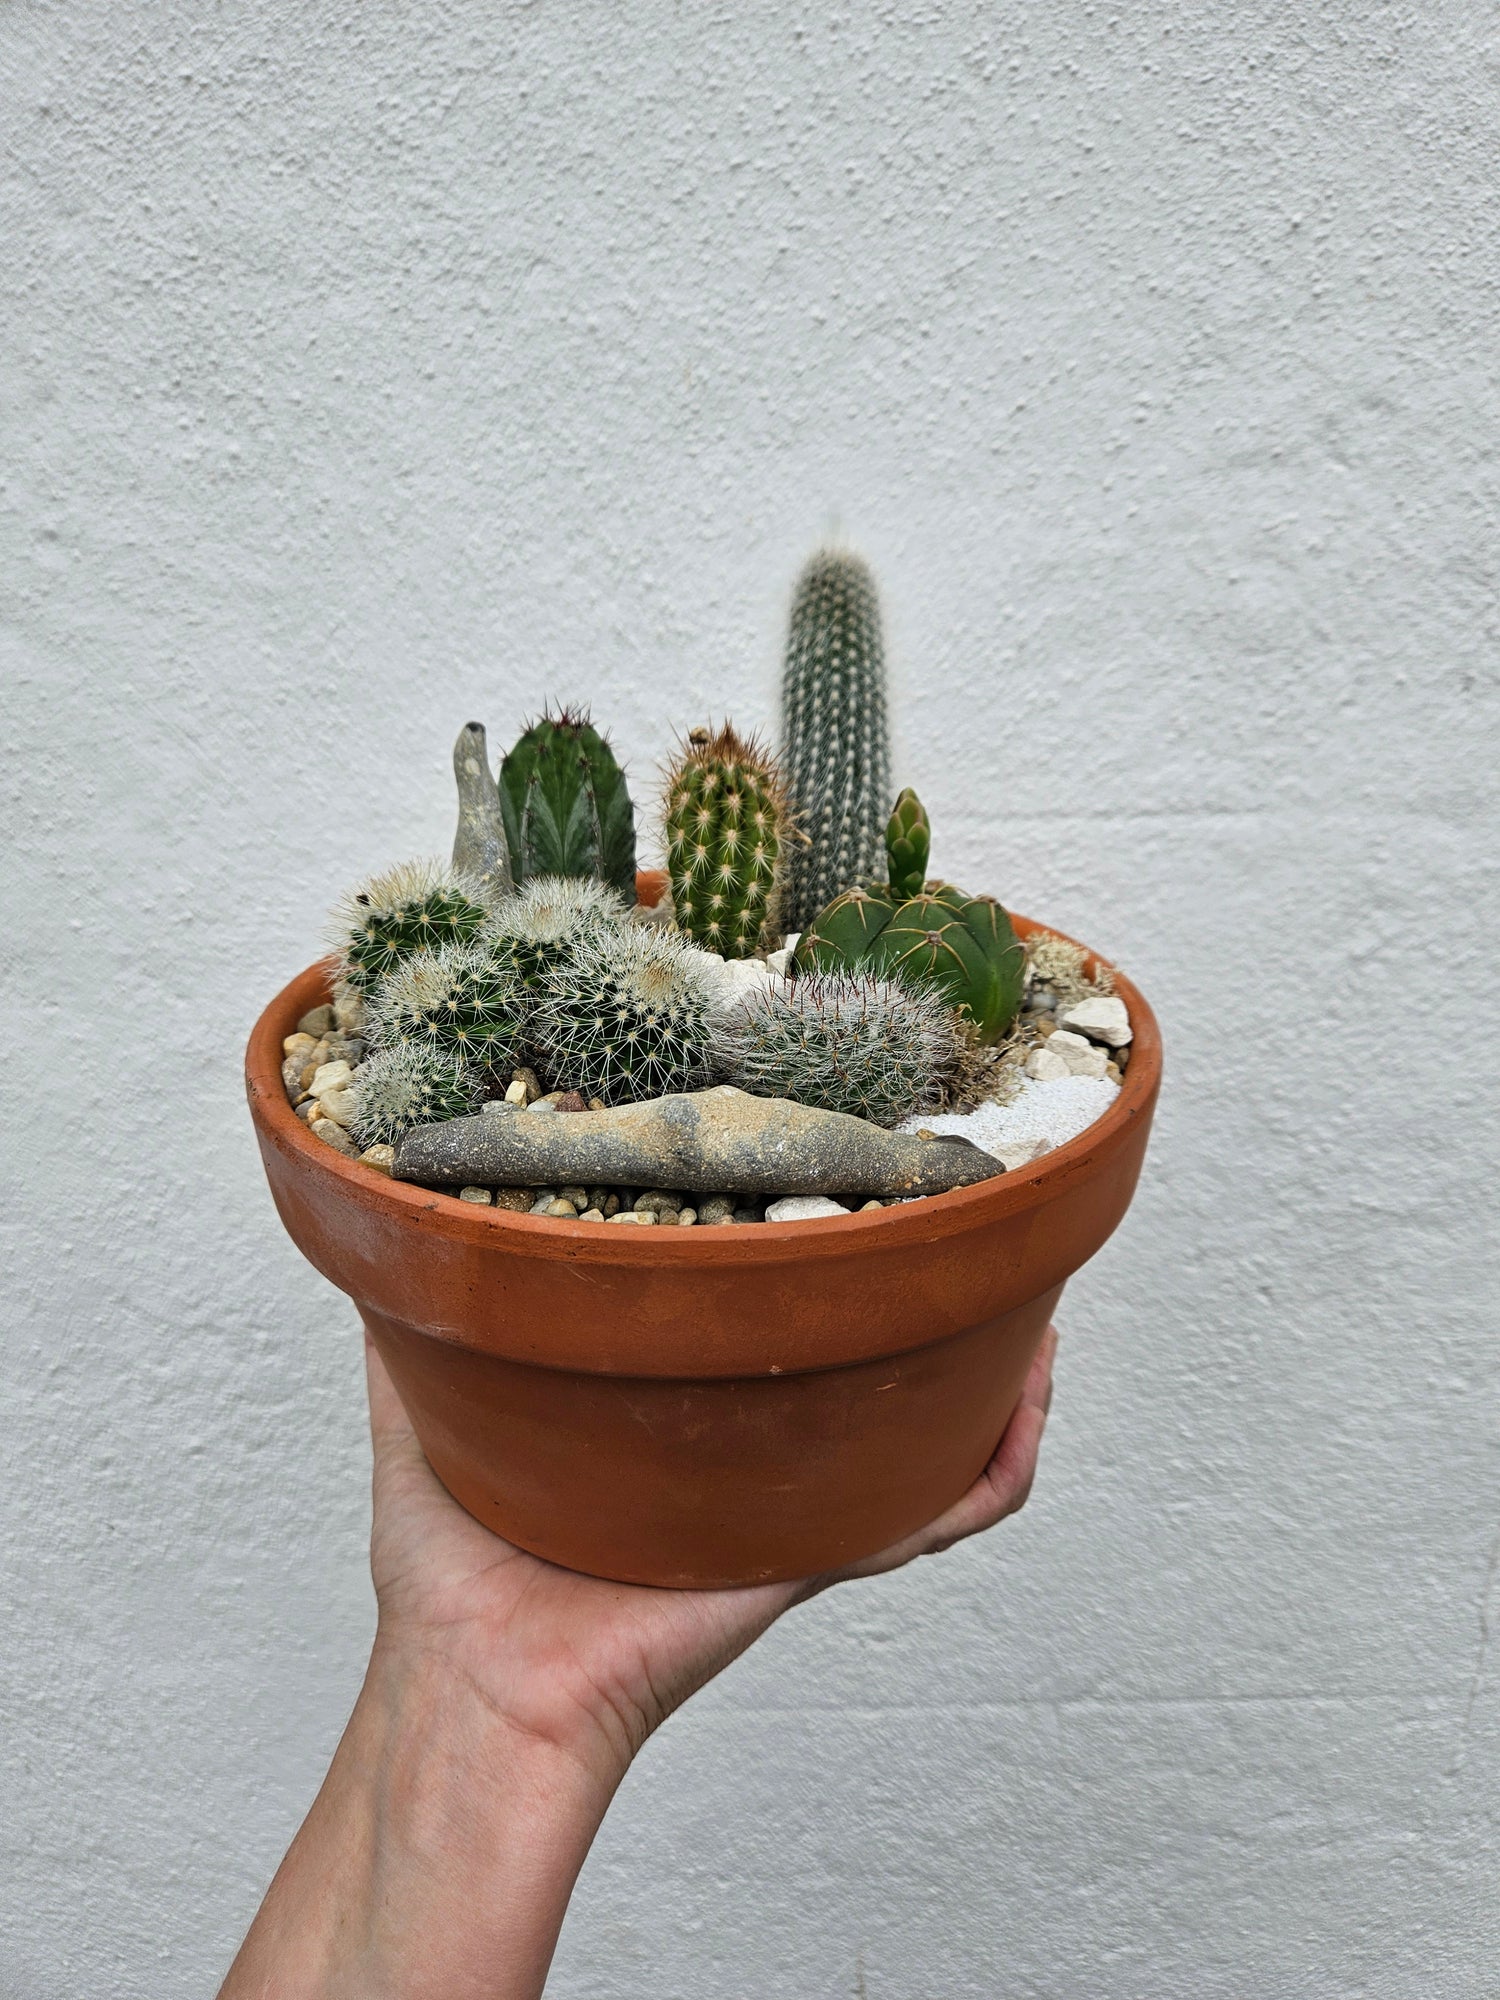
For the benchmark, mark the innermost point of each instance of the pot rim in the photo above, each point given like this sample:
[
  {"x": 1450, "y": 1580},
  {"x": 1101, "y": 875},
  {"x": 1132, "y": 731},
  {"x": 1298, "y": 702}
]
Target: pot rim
[{"x": 927, "y": 1220}]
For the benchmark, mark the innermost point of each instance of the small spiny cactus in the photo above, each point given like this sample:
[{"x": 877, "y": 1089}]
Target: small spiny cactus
[
  {"x": 726, "y": 835},
  {"x": 410, "y": 1085},
  {"x": 463, "y": 998},
  {"x": 908, "y": 841},
  {"x": 412, "y": 907},
  {"x": 566, "y": 807},
  {"x": 864, "y": 1046},
  {"x": 834, "y": 736},
  {"x": 625, "y": 1014},
  {"x": 533, "y": 930}
]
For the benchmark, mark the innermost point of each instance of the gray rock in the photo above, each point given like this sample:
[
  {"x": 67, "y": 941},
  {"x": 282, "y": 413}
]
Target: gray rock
[
  {"x": 479, "y": 847},
  {"x": 317, "y": 1021},
  {"x": 696, "y": 1140},
  {"x": 716, "y": 1208},
  {"x": 336, "y": 1137}
]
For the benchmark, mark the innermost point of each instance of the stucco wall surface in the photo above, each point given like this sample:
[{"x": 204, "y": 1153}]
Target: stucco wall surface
[{"x": 365, "y": 369}]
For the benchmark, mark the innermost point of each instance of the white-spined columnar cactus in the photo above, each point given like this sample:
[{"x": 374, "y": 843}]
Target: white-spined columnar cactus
[
  {"x": 625, "y": 1014},
  {"x": 412, "y": 907},
  {"x": 835, "y": 747},
  {"x": 463, "y": 998},
  {"x": 865, "y": 1046},
  {"x": 408, "y": 1085},
  {"x": 533, "y": 929}
]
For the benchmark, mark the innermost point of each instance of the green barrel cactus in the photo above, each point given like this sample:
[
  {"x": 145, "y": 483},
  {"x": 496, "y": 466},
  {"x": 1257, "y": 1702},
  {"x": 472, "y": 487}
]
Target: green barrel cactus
[
  {"x": 870, "y": 1047},
  {"x": 935, "y": 938},
  {"x": 565, "y": 805},
  {"x": 463, "y": 998},
  {"x": 726, "y": 839},
  {"x": 835, "y": 747},
  {"x": 625, "y": 1015},
  {"x": 410, "y": 908}
]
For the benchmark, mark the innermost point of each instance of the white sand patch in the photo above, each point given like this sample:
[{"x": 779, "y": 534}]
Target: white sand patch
[{"x": 1040, "y": 1116}]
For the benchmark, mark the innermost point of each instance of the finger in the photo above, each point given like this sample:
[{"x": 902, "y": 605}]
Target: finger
[
  {"x": 1000, "y": 1490},
  {"x": 391, "y": 1434}
]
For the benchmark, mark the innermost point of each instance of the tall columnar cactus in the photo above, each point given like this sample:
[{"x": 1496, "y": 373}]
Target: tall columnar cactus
[
  {"x": 463, "y": 998},
  {"x": 865, "y": 1046},
  {"x": 410, "y": 1085},
  {"x": 624, "y": 1015},
  {"x": 726, "y": 836},
  {"x": 533, "y": 930},
  {"x": 480, "y": 849},
  {"x": 409, "y": 908},
  {"x": 566, "y": 807},
  {"x": 834, "y": 740}
]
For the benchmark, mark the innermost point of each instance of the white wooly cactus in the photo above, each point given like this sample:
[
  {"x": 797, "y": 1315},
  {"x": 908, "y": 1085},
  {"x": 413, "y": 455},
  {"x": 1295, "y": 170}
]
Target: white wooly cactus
[
  {"x": 463, "y": 998},
  {"x": 866, "y": 1046},
  {"x": 412, "y": 907},
  {"x": 624, "y": 1014},
  {"x": 409, "y": 1085},
  {"x": 533, "y": 929}
]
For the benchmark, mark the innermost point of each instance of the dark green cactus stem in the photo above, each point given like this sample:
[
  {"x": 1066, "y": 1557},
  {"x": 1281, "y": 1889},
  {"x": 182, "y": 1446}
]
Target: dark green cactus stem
[
  {"x": 835, "y": 750},
  {"x": 908, "y": 838},
  {"x": 726, "y": 838},
  {"x": 841, "y": 938},
  {"x": 960, "y": 946},
  {"x": 566, "y": 807},
  {"x": 413, "y": 907}
]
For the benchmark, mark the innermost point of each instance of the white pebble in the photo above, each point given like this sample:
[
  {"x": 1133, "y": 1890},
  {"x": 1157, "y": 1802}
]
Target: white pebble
[
  {"x": 1082, "y": 1058},
  {"x": 1042, "y": 1113},
  {"x": 331, "y": 1076},
  {"x": 1102, "y": 1019},
  {"x": 802, "y": 1208},
  {"x": 340, "y": 1106},
  {"x": 1045, "y": 1066}
]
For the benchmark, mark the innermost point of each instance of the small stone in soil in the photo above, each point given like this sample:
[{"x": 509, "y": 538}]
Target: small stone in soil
[
  {"x": 596, "y": 1104},
  {"x": 331, "y": 1076},
  {"x": 531, "y": 1081},
  {"x": 865, "y": 1206},
  {"x": 481, "y": 1197},
  {"x": 317, "y": 1021},
  {"x": 686, "y": 1217},
  {"x": 592, "y": 1215},
  {"x": 1103, "y": 1018},
  {"x": 577, "y": 1195},
  {"x": 296, "y": 1045},
  {"x": 657, "y": 1199},
  {"x": 717, "y": 1208},
  {"x": 564, "y": 1210},
  {"x": 748, "y": 1215},
  {"x": 1045, "y": 1066},
  {"x": 380, "y": 1159},
  {"x": 517, "y": 1200},
  {"x": 310, "y": 1111},
  {"x": 802, "y": 1208},
  {"x": 340, "y": 1106},
  {"x": 337, "y": 1137},
  {"x": 569, "y": 1100},
  {"x": 515, "y": 1093},
  {"x": 540, "y": 1199}
]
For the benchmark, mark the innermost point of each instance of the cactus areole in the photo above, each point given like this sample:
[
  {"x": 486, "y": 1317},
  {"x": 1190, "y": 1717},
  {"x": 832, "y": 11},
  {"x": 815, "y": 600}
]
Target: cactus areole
[{"x": 565, "y": 805}]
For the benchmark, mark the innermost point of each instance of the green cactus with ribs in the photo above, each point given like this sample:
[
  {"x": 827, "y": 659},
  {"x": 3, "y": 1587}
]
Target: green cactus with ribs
[
  {"x": 927, "y": 935},
  {"x": 726, "y": 839},
  {"x": 566, "y": 807}
]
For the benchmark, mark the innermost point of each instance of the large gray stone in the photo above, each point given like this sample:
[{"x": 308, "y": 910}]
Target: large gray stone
[
  {"x": 479, "y": 847},
  {"x": 706, "y": 1140}
]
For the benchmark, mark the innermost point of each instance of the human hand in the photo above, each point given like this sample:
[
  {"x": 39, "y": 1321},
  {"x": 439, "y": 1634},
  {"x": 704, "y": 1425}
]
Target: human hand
[
  {"x": 504, "y": 1700},
  {"x": 589, "y": 1666}
]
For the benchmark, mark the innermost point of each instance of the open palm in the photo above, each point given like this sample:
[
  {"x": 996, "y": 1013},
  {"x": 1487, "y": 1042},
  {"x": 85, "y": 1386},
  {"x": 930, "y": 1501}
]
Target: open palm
[{"x": 566, "y": 1657}]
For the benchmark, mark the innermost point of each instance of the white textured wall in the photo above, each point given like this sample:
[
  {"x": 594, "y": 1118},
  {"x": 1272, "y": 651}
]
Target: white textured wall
[{"x": 368, "y": 368}]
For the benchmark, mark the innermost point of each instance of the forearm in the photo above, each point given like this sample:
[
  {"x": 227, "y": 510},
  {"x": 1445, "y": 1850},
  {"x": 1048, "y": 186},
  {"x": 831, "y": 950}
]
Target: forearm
[{"x": 437, "y": 1860}]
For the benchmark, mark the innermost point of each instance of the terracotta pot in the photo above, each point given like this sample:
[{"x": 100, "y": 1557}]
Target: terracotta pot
[{"x": 711, "y": 1406}]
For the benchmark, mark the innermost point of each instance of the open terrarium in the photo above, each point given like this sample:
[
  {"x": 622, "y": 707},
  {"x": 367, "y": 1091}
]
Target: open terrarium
[{"x": 861, "y": 1125}]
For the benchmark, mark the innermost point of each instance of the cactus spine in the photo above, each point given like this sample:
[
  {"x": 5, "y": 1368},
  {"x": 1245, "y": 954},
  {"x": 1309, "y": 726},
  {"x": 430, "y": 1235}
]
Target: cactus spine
[
  {"x": 566, "y": 807},
  {"x": 463, "y": 998},
  {"x": 624, "y": 1015},
  {"x": 726, "y": 825},
  {"x": 409, "y": 908},
  {"x": 835, "y": 748},
  {"x": 410, "y": 1085},
  {"x": 865, "y": 1046},
  {"x": 533, "y": 930},
  {"x": 479, "y": 846}
]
